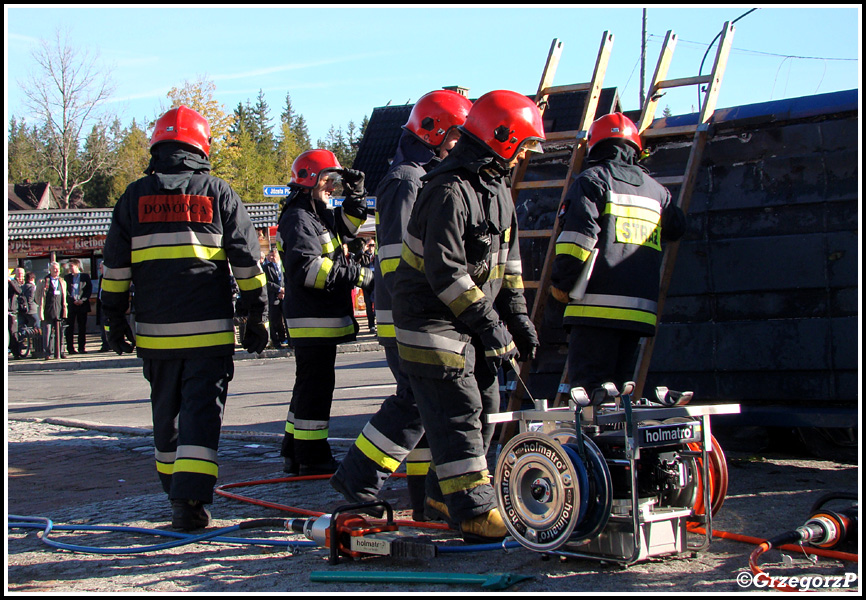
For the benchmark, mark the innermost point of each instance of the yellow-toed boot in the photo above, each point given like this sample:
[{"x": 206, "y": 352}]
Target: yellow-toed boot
[{"x": 484, "y": 529}]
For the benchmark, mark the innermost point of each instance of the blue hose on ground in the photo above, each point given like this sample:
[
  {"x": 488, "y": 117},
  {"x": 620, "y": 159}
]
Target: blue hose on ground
[{"x": 47, "y": 525}]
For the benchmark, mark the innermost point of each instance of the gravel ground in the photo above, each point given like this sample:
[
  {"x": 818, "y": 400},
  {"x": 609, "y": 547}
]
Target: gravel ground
[{"x": 83, "y": 477}]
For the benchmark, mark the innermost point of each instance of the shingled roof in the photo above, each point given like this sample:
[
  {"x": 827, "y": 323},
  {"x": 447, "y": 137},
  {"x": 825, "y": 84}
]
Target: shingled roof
[
  {"x": 29, "y": 196},
  {"x": 379, "y": 144},
  {"x": 52, "y": 224}
]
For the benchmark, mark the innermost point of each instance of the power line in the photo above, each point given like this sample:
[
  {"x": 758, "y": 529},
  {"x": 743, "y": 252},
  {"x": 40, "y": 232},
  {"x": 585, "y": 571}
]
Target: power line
[{"x": 743, "y": 50}]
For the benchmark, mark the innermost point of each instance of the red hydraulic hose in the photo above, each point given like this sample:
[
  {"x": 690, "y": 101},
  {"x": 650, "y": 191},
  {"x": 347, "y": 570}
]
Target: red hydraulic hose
[{"x": 220, "y": 490}]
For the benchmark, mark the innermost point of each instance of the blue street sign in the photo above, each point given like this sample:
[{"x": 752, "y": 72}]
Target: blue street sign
[{"x": 277, "y": 191}]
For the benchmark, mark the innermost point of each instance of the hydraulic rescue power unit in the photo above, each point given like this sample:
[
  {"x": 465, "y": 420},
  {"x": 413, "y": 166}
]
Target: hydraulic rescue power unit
[{"x": 612, "y": 479}]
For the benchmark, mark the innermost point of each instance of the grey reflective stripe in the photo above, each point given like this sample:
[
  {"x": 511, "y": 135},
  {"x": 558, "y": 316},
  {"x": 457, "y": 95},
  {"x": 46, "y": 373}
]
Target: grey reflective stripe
[
  {"x": 312, "y": 322},
  {"x": 632, "y": 200},
  {"x": 430, "y": 340},
  {"x": 384, "y": 316},
  {"x": 390, "y": 251},
  {"x": 572, "y": 237},
  {"x": 164, "y": 457},
  {"x": 461, "y": 467},
  {"x": 420, "y": 455},
  {"x": 414, "y": 244},
  {"x": 384, "y": 444},
  {"x": 177, "y": 238},
  {"x": 246, "y": 272},
  {"x": 308, "y": 425},
  {"x": 197, "y": 452},
  {"x": 121, "y": 273},
  {"x": 618, "y": 302},
  {"x": 454, "y": 291},
  {"x": 190, "y": 328},
  {"x": 513, "y": 267}
]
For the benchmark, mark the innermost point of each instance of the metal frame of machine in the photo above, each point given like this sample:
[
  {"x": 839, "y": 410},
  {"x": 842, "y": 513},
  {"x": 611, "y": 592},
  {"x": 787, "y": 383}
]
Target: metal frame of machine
[{"x": 625, "y": 489}]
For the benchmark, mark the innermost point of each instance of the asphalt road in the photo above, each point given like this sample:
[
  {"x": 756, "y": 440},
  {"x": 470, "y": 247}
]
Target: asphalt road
[{"x": 258, "y": 399}]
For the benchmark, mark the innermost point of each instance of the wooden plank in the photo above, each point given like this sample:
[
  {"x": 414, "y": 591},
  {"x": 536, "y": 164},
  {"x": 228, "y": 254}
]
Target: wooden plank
[
  {"x": 564, "y": 89},
  {"x": 682, "y": 82},
  {"x": 718, "y": 72},
  {"x": 649, "y": 108},
  {"x": 669, "y": 131},
  {"x": 533, "y": 185}
]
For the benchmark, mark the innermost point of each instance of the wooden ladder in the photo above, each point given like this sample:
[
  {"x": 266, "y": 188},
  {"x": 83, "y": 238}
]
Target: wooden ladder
[
  {"x": 701, "y": 132},
  {"x": 545, "y": 90}
]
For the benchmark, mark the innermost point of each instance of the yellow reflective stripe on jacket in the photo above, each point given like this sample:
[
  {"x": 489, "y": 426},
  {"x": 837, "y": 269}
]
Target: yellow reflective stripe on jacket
[
  {"x": 389, "y": 257},
  {"x": 353, "y": 224},
  {"x": 430, "y": 357},
  {"x": 253, "y": 283},
  {"x": 412, "y": 259},
  {"x": 185, "y": 341},
  {"x": 500, "y": 351},
  {"x": 112, "y": 285},
  {"x": 465, "y": 300},
  {"x": 317, "y": 276},
  {"x": 513, "y": 282},
  {"x": 613, "y": 314},
  {"x": 176, "y": 252},
  {"x": 194, "y": 334},
  {"x": 565, "y": 248},
  {"x": 430, "y": 349}
]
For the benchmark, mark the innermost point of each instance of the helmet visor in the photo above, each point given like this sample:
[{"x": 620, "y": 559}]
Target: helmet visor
[{"x": 532, "y": 145}]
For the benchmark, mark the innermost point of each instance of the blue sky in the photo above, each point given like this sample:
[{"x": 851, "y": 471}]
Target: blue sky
[{"x": 338, "y": 63}]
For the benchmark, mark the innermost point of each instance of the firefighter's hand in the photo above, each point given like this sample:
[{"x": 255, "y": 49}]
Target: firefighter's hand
[
  {"x": 117, "y": 332},
  {"x": 525, "y": 337},
  {"x": 498, "y": 345},
  {"x": 353, "y": 183},
  {"x": 255, "y": 334}
]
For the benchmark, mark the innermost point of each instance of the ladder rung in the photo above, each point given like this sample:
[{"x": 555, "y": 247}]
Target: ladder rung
[
  {"x": 551, "y": 183},
  {"x": 556, "y": 136},
  {"x": 684, "y": 81},
  {"x": 669, "y": 131},
  {"x": 530, "y": 285},
  {"x": 562, "y": 89},
  {"x": 535, "y": 233},
  {"x": 672, "y": 180}
]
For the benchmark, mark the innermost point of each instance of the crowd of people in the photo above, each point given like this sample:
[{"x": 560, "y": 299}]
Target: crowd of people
[{"x": 449, "y": 305}]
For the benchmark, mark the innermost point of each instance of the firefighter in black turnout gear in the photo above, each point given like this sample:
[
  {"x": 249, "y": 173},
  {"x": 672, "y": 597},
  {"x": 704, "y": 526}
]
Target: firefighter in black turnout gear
[
  {"x": 616, "y": 208},
  {"x": 319, "y": 279},
  {"x": 459, "y": 312},
  {"x": 178, "y": 235},
  {"x": 395, "y": 433}
]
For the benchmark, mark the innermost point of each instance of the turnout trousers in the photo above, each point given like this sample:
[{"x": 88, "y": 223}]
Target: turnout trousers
[
  {"x": 306, "y": 437},
  {"x": 600, "y": 354},
  {"x": 393, "y": 435},
  {"x": 188, "y": 397},
  {"x": 453, "y": 412}
]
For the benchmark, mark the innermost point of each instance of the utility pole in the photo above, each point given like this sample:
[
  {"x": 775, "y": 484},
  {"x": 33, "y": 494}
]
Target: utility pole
[{"x": 642, "y": 58}]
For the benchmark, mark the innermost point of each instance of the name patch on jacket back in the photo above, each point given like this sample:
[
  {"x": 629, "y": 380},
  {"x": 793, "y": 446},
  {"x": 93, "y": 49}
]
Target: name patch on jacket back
[{"x": 164, "y": 208}]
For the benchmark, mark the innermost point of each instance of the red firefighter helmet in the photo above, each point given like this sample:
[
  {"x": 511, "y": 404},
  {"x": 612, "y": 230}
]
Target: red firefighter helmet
[
  {"x": 182, "y": 124},
  {"x": 614, "y": 126},
  {"x": 435, "y": 114},
  {"x": 505, "y": 122},
  {"x": 310, "y": 165}
]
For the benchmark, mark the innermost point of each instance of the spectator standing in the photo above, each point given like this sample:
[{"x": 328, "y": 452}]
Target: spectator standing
[
  {"x": 79, "y": 288},
  {"x": 51, "y": 298},
  {"x": 276, "y": 292}
]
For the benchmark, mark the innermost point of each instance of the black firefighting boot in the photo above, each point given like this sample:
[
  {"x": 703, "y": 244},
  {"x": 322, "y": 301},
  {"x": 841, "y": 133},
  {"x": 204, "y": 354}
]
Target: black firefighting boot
[{"x": 189, "y": 515}]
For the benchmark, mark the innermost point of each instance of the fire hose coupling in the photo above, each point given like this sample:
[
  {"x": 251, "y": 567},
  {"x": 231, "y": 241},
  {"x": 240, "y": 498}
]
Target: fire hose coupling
[{"x": 828, "y": 529}]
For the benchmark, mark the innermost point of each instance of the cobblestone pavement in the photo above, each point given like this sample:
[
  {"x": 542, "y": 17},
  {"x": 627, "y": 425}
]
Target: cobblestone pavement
[{"x": 84, "y": 476}]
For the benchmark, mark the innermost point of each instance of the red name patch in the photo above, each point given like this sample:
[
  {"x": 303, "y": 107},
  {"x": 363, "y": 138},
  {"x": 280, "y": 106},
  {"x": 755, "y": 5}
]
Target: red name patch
[{"x": 175, "y": 208}]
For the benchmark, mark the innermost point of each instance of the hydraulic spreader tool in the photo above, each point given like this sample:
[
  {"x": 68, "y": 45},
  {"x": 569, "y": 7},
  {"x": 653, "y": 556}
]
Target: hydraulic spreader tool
[
  {"x": 611, "y": 478},
  {"x": 346, "y": 533}
]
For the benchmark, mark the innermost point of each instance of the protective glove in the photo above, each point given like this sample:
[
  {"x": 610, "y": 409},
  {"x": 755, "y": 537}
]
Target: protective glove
[
  {"x": 353, "y": 183},
  {"x": 117, "y": 331},
  {"x": 255, "y": 334},
  {"x": 525, "y": 337},
  {"x": 365, "y": 279},
  {"x": 498, "y": 345}
]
